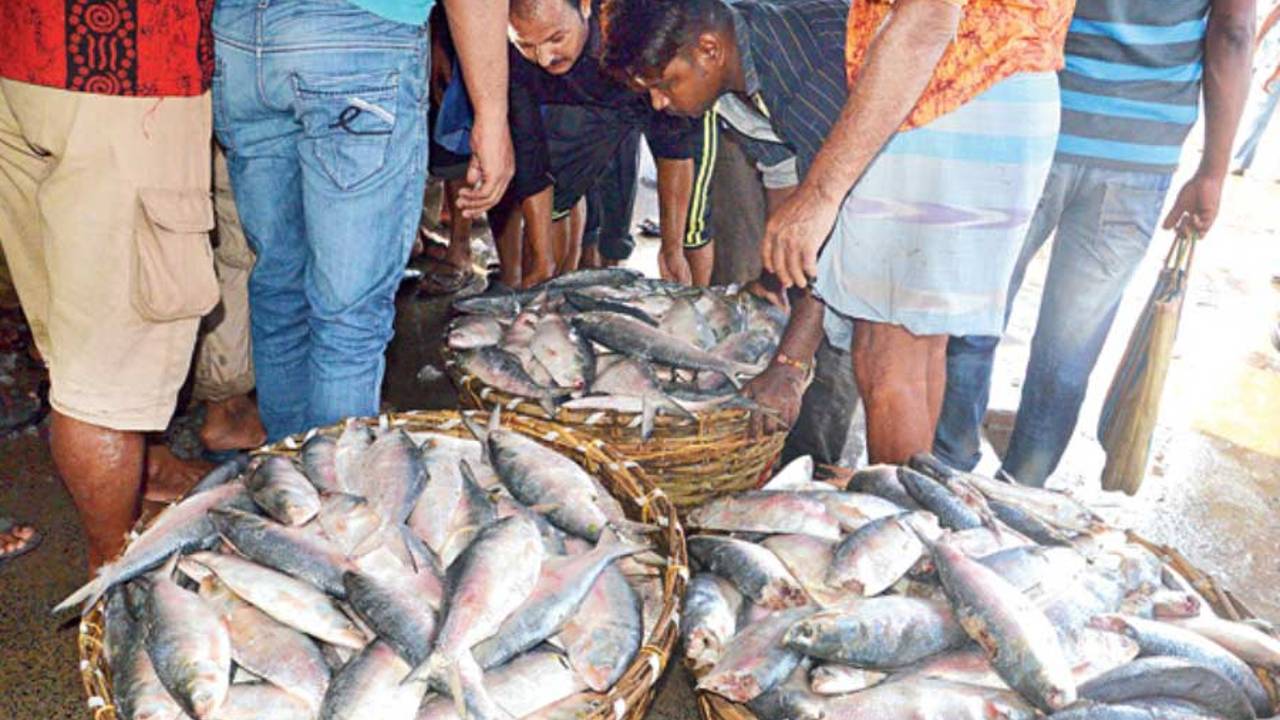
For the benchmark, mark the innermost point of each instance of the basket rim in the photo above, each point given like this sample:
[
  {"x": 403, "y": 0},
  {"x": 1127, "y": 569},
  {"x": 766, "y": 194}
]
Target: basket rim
[{"x": 632, "y": 694}]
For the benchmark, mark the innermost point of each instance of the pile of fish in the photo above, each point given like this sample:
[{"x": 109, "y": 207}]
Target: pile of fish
[
  {"x": 613, "y": 340},
  {"x": 919, "y": 592},
  {"x": 381, "y": 574}
]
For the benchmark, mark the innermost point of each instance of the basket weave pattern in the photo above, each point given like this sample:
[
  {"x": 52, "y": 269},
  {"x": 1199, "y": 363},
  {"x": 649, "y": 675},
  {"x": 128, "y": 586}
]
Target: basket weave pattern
[
  {"x": 631, "y": 696},
  {"x": 692, "y": 461}
]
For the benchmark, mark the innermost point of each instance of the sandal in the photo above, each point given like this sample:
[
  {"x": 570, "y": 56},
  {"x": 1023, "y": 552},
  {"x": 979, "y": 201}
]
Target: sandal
[{"x": 31, "y": 543}]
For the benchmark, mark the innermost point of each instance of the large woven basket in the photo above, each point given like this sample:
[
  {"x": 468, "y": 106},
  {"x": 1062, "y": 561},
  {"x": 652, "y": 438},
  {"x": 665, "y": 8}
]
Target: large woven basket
[
  {"x": 691, "y": 460},
  {"x": 631, "y": 696},
  {"x": 714, "y": 707}
]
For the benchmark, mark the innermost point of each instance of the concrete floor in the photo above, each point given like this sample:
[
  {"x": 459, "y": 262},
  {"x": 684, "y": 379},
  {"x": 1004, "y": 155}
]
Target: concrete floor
[{"x": 1213, "y": 490}]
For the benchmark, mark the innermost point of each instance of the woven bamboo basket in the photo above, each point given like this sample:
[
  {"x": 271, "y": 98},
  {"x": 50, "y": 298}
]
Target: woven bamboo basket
[
  {"x": 691, "y": 460},
  {"x": 714, "y": 707},
  {"x": 631, "y": 696}
]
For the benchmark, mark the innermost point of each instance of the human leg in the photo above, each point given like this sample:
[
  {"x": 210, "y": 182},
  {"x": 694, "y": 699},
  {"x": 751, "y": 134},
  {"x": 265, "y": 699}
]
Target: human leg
[
  {"x": 1248, "y": 149},
  {"x": 892, "y": 369},
  {"x": 822, "y": 427},
  {"x": 1103, "y": 235}
]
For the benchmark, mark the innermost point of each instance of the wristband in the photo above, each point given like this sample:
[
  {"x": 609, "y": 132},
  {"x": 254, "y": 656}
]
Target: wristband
[{"x": 782, "y": 359}]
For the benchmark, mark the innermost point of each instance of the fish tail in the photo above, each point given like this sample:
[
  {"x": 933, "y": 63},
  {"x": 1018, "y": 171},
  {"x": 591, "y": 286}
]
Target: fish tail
[{"x": 86, "y": 595}]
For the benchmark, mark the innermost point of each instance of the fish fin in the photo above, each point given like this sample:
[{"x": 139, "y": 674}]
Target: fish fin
[
  {"x": 86, "y": 595},
  {"x": 476, "y": 429}
]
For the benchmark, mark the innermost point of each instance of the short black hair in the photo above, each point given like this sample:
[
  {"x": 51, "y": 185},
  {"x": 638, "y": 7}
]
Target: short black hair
[
  {"x": 527, "y": 8},
  {"x": 641, "y": 37}
]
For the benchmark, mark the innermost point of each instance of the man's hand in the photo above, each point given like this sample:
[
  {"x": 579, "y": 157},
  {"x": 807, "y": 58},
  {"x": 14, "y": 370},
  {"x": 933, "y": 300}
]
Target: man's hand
[
  {"x": 493, "y": 163},
  {"x": 1196, "y": 206},
  {"x": 779, "y": 390},
  {"x": 673, "y": 266},
  {"x": 794, "y": 235},
  {"x": 766, "y": 288}
]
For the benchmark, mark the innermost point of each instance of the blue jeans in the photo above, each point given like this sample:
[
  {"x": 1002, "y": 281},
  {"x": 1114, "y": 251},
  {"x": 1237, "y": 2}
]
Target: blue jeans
[
  {"x": 321, "y": 107},
  {"x": 1104, "y": 221},
  {"x": 1264, "y": 108}
]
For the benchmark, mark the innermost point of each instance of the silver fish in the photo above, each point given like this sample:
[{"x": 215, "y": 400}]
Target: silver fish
[
  {"x": 755, "y": 571},
  {"x": 355, "y": 439},
  {"x": 319, "y": 456},
  {"x": 300, "y": 552},
  {"x": 269, "y": 649},
  {"x": 683, "y": 320},
  {"x": 711, "y": 606},
  {"x": 280, "y": 488},
  {"x": 189, "y": 646},
  {"x": 469, "y": 332},
  {"x": 757, "y": 660},
  {"x": 837, "y": 679},
  {"x": 293, "y": 602},
  {"x": 138, "y": 692},
  {"x": 528, "y": 684},
  {"x": 605, "y": 635},
  {"x": 877, "y": 633},
  {"x": 502, "y": 370},
  {"x": 182, "y": 527},
  {"x": 808, "y": 558},
  {"x": 882, "y": 481},
  {"x": 632, "y": 337},
  {"x": 878, "y": 554},
  {"x": 1245, "y": 641},
  {"x": 393, "y": 475},
  {"x": 1023, "y": 645},
  {"x": 370, "y": 687},
  {"x": 563, "y": 353},
  {"x": 767, "y": 511},
  {"x": 1170, "y": 677},
  {"x": 398, "y": 609},
  {"x": 263, "y": 702},
  {"x": 928, "y": 699}
]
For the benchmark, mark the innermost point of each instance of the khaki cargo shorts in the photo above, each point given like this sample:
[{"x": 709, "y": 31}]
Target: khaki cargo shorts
[{"x": 104, "y": 218}]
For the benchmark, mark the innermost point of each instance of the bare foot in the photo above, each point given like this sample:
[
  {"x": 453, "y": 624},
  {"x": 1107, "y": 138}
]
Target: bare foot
[
  {"x": 15, "y": 538},
  {"x": 232, "y": 424},
  {"x": 169, "y": 476}
]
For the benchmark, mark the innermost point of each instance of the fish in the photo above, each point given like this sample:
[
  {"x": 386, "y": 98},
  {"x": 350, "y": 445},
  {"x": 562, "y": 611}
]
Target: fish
[
  {"x": 565, "y": 355},
  {"x": 711, "y": 606},
  {"x": 750, "y": 347},
  {"x": 1033, "y": 569},
  {"x": 350, "y": 523},
  {"x": 796, "y": 475},
  {"x": 279, "y": 487},
  {"x": 875, "y": 556},
  {"x": 629, "y": 336},
  {"x": 1157, "y": 638},
  {"x": 528, "y": 684},
  {"x": 261, "y": 701},
  {"x": 1170, "y": 677},
  {"x": 853, "y": 510},
  {"x": 684, "y": 320},
  {"x": 767, "y": 511},
  {"x": 1022, "y": 644},
  {"x": 952, "y": 512},
  {"x": 808, "y": 559},
  {"x": 299, "y": 552},
  {"x": 489, "y": 580},
  {"x": 837, "y": 679},
  {"x": 398, "y": 609},
  {"x": 189, "y": 645},
  {"x": 1144, "y": 709},
  {"x": 756, "y": 661},
  {"x": 585, "y": 303},
  {"x": 503, "y": 371},
  {"x": 605, "y": 636},
  {"x": 319, "y": 457},
  {"x": 470, "y": 332},
  {"x": 293, "y": 602},
  {"x": 394, "y": 475},
  {"x": 755, "y": 571},
  {"x": 353, "y": 442},
  {"x": 224, "y": 473},
  {"x": 563, "y": 584},
  {"x": 179, "y": 528},
  {"x": 541, "y": 477},
  {"x": 1059, "y": 508},
  {"x": 371, "y": 687},
  {"x": 928, "y": 699},
  {"x": 791, "y": 699},
  {"x": 630, "y": 378},
  {"x": 1244, "y": 641},
  {"x": 879, "y": 633},
  {"x": 269, "y": 649},
  {"x": 966, "y": 665},
  {"x": 138, "y": 692},
  {"x": 882, "y": 481}
]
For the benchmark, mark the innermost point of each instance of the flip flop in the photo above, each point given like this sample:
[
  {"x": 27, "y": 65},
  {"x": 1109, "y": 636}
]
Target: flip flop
[
  {"x": 442, "y": 281},
  {"x": 33, "y": 542}
]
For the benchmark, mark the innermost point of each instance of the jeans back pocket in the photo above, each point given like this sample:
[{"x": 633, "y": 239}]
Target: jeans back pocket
[{"x": 347, "y": 122}]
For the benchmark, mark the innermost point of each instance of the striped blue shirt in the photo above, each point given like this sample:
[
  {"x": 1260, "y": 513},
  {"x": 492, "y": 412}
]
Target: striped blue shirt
[{"x": 1131, "y": 85}]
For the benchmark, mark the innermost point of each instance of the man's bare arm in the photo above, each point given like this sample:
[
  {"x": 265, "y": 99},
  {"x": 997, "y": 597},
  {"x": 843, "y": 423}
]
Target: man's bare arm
[
  {"x": 899, "y": 65},
  {"x": 1227, "y": 59},
  {"x": 479, "y": 29},
  {"x": 675, "y": 188}
]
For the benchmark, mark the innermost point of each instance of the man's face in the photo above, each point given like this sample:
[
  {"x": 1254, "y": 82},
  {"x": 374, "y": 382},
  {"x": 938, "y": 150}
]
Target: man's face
[
  {"x": 552, "y": 35},
  {"x": 688, "y": 85}
]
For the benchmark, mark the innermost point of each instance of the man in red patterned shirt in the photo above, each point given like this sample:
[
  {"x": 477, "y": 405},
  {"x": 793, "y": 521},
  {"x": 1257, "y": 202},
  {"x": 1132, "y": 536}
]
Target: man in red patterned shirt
[{"x": 104, "y": 218}]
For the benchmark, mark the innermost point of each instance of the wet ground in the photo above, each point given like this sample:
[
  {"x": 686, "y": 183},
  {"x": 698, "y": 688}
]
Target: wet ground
[{"x": 1213, "y": 489}]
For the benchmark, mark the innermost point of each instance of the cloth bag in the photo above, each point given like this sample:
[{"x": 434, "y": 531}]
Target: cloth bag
[{"x": 1132, "y": 407}]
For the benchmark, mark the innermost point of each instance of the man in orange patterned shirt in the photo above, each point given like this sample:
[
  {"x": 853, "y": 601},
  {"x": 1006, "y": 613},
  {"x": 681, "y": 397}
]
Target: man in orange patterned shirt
[{"x": 922, "y": 193}]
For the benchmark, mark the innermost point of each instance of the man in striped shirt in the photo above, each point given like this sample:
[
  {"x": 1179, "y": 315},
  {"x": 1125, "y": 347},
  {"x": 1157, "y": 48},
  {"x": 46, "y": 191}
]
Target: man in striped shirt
[{"x": 1135, "y": 74}]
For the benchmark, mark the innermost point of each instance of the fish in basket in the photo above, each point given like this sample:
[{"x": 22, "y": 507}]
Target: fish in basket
[
  {"x": 652, "y": 367},
  {"x": 920, "y": 592},
  {"x": 404, "y": 569}
]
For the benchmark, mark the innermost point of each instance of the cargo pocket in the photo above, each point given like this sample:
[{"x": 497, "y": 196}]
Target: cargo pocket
[
  {"x": 347, "y": 122},
  {"x": 173, "y": 262}
]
